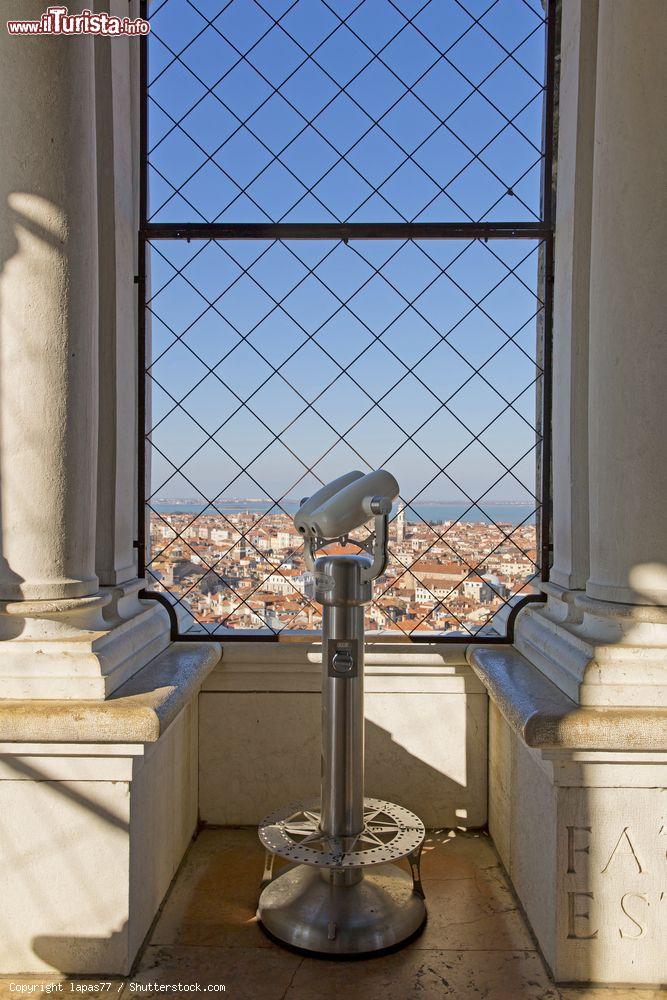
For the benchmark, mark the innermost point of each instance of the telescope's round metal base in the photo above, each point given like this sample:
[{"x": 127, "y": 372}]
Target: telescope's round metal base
[
  {"x": 295, "y": 833},
  {"x": 303, "y": 909}
]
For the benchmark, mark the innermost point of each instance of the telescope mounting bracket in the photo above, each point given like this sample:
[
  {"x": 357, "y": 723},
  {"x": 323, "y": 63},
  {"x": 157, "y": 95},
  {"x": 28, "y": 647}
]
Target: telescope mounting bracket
[{"x": 375, "y": 545}]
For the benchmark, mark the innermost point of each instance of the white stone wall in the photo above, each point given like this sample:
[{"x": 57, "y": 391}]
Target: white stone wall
[{"x": 426, "y": 732}]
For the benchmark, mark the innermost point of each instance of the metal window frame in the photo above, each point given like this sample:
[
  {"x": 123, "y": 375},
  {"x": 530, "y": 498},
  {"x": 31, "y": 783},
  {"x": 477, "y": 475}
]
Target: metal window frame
[{"x": 542, "y": 231}]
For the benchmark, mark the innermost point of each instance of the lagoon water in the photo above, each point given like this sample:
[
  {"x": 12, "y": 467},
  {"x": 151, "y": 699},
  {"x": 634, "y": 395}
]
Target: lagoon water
[{"x": 507, "y": 513}]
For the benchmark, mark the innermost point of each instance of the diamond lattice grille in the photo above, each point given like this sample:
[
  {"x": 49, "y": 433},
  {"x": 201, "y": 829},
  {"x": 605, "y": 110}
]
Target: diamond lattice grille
[
  {"x": 335, "y": 110},
  {"x": 284, "y": 347},
  {"x": 347, "y": 356}
]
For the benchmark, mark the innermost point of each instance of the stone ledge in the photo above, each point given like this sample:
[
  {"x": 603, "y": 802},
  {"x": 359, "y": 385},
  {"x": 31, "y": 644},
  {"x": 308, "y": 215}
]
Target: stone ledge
[
  {"x": 308, "y": 650},
  {"x": 297, "y": 668},
  {"x": 546, "y": 718},
  {"x": 138, "y": 712}
]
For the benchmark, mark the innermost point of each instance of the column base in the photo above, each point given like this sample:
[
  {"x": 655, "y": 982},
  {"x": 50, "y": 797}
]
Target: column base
[
  {"x": 78, "y": 648},
  {"x": 597, "y": 652}
]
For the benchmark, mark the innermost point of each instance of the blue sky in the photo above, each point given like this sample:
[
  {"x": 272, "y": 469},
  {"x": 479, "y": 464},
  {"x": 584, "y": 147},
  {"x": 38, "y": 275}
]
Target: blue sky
[{"x": 286, "y": 112}]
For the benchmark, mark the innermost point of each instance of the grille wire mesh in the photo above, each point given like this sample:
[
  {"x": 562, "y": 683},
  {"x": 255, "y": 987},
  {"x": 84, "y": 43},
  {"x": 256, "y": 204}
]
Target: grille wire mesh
[
  {"x": 337, "y": 111},
  {"x": 314, "y": 356}
]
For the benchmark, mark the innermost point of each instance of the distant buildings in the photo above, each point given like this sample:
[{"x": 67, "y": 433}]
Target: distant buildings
[
  {"x": 400, "y": 525},
  {"x": 241, "y": 571}
]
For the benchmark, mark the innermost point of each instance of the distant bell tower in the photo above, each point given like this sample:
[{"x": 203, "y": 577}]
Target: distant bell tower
[{"x": 400, "y": 524}]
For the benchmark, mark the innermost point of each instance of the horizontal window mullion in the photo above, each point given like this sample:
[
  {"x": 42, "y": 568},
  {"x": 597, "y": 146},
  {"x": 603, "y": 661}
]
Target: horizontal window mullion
[{"x": 344, "y": 231}]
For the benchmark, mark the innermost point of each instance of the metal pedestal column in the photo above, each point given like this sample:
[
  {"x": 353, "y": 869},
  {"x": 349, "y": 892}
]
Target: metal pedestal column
[{"x": 342, "y": 895}]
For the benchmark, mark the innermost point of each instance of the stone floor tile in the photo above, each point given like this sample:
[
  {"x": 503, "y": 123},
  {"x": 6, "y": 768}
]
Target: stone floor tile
[
  {"x": 604, "y": 993},
  {"x": 246, "y": 973},
  {"x": 212, "y": 838},
  {"x": 478, "y": 912},
  {"x": 214, "y": 898},
  {"x": 456, "y": 854},
  {"x": 413, "y": 975}
]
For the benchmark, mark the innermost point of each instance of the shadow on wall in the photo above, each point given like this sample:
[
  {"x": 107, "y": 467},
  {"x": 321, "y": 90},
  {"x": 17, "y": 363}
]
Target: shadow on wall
[
  {"x": 79, "y": 955},
  {"x": 439, "y": 775},
  {"x": 260, "y": 751},
  {"x": 61, "y": 850}
]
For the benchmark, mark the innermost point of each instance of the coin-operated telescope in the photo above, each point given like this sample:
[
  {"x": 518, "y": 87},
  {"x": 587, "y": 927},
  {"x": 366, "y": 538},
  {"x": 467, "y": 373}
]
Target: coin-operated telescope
[{"x": 342, "y": 894}]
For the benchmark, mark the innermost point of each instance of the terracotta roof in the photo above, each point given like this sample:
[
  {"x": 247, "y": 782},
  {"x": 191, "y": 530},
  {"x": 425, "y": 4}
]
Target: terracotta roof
[
  {"x": 423, "y": 568},
  {"x": 351, "y": 549}
]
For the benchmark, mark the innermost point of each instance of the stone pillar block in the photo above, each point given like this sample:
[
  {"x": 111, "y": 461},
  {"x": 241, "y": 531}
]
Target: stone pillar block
[
  {"x": 98, "y": 802},
  {"x": 577, "y": 803},
  {"x": 583, "y": 838}
]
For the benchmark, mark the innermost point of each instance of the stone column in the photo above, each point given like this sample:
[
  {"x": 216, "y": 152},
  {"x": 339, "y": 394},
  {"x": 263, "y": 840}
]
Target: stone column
[
  {"x": 603, "y": 645},
  {"x": 116, "y": 557},
  {"x": 577, "y": 775},
  {"x": 48, "y": 316},
  {"x": 60, "y": 635},
  {"x": 628, "y": 328},
  {"x": 576, "y": 115}
]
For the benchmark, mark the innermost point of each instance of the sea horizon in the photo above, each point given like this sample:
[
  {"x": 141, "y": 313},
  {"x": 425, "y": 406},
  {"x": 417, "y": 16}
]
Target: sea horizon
[{"x": 507, "y": 511}]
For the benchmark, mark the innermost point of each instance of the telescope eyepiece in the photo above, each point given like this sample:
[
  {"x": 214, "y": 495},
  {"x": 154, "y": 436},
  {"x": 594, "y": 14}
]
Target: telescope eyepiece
[{"x": 380, "y": 505}]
